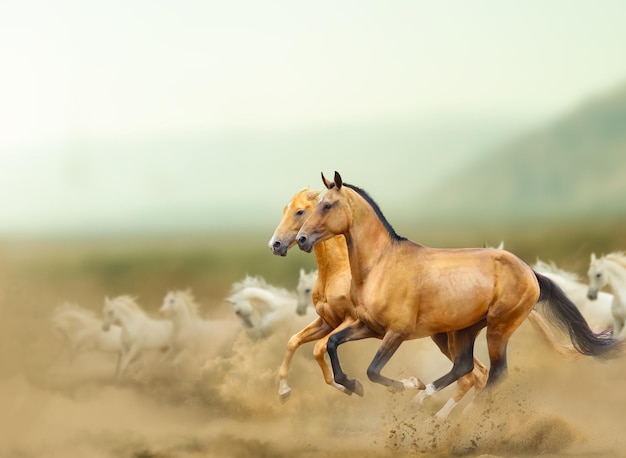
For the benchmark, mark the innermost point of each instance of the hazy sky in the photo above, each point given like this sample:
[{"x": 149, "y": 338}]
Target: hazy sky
[{"x": 84, "y": 73}]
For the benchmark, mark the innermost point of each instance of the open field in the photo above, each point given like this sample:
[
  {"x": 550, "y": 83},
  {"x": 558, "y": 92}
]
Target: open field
[{"x": 229, "y": 407}]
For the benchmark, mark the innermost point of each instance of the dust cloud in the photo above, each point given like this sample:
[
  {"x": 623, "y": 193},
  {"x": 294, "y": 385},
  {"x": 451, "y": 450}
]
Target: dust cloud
[{"x": 228, "y": 406}]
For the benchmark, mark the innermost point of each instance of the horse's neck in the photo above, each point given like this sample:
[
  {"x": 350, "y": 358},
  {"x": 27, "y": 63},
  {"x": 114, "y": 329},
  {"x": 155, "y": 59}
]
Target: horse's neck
[
  {"x": 183, "y": 316},
  {"x": 332, "y": 258},
  {"x": 617, "y": 279},
  {"x": 130, "y": 319},
  {"x": 367, "y": 240},
  {"x": 258, "y": 296}
]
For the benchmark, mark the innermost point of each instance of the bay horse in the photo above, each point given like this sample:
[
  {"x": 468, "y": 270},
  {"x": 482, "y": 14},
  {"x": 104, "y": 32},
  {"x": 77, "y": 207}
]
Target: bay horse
[
  {"x": 404, "y": 290},
  {"x": 331, "y": 298}
]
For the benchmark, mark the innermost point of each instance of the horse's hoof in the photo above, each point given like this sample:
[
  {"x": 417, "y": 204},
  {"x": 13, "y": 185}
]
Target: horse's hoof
[
  {"x": 358, "y": 388},
  {"x": 413, "y": 383},
  {"x": 342, "y": 388},
  {"x": 284, "y": 397}
]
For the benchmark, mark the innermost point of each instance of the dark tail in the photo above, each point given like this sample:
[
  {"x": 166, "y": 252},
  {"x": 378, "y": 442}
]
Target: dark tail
[{"x": 561, "y": 311}]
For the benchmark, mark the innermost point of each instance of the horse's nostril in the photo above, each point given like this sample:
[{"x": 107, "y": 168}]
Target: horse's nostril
[
  {"x": 276, "y": 244},
  {"x": 301, "y": 239}
]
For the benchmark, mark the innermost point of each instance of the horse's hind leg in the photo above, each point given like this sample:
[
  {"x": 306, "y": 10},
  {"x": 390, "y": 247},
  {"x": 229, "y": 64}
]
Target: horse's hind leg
[
  {"x": 476, "y": 379},
  {"x": 463, "y": 364},
  {"x": 356, "y": 331},
  {"x": 314, "y": 331}
]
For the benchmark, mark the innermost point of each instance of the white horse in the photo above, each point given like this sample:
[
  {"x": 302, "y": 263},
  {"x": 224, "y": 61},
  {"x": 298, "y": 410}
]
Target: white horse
[
  {"x": 304, "y": 289},
  {"x": 139, "y": 331},
  {"x": 263, "y": 308},
  {"x": 83, "y": 332},
  {"x": 192, "y": 335},
  {"x": 610, "y": 270},
  {"x": 597, "y": 313}
]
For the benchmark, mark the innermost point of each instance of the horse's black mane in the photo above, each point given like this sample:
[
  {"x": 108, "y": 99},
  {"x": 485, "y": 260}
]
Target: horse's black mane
[{"x": 392, "y": 233}]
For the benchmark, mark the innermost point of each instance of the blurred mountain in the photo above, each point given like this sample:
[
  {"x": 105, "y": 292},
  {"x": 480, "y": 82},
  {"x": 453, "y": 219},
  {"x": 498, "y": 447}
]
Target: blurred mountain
[{"x": 574, "y": 168}]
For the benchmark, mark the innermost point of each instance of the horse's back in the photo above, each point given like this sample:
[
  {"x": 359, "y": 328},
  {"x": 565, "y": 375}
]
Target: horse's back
[{"x": 444, "y": 289}]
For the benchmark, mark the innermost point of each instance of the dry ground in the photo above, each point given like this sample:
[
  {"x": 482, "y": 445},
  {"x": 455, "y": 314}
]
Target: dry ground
[{"x": 228, "y": 407}]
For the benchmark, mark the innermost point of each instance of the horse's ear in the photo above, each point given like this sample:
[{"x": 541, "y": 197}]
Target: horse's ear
[
  {"x": 301, "y": 272},
  {"x": 501, "y": 246},
  {"x": 313, "y": 195},
  {"x": 329, "y": 184},
  {"x": 338, "y": 180},
  {"x": 593, "y": 257}
]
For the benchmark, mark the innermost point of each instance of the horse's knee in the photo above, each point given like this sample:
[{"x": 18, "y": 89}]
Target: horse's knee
[
  {"x": 293, "y": 343},
  {"x": 319, "y": 350}
]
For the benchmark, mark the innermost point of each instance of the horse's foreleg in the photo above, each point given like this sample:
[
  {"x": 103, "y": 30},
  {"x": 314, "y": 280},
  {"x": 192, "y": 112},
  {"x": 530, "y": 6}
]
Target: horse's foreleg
[
  {"x": 127, "y": 358},
  {"x": 117, "y": 365},
  {"x": 319, "y": 351},
  {"x": 391, "y": 342},
  {"x": 314, "y": 331},
  {"x": 355, "y": 331}
]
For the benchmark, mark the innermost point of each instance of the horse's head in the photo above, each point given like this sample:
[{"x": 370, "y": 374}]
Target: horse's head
[
  {"x": 598, "y": 277},
  {"x": 304, "y": 290},
  {"x": 243, "y": 309},
  {"x": 168, "y": 307},
  {"x": 109, "y": 314},
  {"x": 294, "y": 214},
  {"x": 330, "y": 217},
  {"x": 178, "y": 304}
]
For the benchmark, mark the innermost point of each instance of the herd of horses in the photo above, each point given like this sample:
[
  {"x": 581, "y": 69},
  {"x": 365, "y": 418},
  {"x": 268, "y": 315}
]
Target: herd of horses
[{"x": 371, "y": 282}]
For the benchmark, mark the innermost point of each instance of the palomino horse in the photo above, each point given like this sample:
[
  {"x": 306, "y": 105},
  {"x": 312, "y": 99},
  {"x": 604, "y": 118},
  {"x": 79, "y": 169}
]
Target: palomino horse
[
  {"x": 610, "y": 270},
  {"x": 403, "y": 290},
  {"x": 331, "y": 297}
]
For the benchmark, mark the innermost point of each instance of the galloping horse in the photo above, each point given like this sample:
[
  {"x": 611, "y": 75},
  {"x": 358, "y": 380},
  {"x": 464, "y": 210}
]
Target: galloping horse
[
  {"x": 403, "y": 290},
  {"x": 331, "y": 298},
  {"x": 331, "y": 292}
]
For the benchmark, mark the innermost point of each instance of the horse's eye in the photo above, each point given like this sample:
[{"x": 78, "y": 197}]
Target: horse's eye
[
  {"x": 308, "y": 290},
  {"x": 599, "y": 274},
  {"x": 327, "y": 206},
  {"x": 300, "y": 212}
]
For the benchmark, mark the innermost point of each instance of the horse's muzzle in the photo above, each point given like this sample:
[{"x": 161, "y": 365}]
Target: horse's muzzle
[
  {"x": 592, "y": 295},
  {"x": 305, "y": 243},
  {"x": 279, "y": 248}
]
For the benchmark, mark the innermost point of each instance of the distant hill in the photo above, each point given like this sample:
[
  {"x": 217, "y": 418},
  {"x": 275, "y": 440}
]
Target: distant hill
[{"x": 573, "y": 168}]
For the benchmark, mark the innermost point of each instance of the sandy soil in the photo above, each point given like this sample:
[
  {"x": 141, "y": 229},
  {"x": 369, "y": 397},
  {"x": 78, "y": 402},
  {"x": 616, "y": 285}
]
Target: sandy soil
[{"x": 228, "y": 406}]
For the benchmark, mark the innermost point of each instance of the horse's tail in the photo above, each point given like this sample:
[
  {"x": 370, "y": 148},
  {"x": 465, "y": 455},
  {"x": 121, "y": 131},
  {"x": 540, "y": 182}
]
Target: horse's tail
[
  {"x": 565, "y": 350},
  {"x": 561, "y": 311}
]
